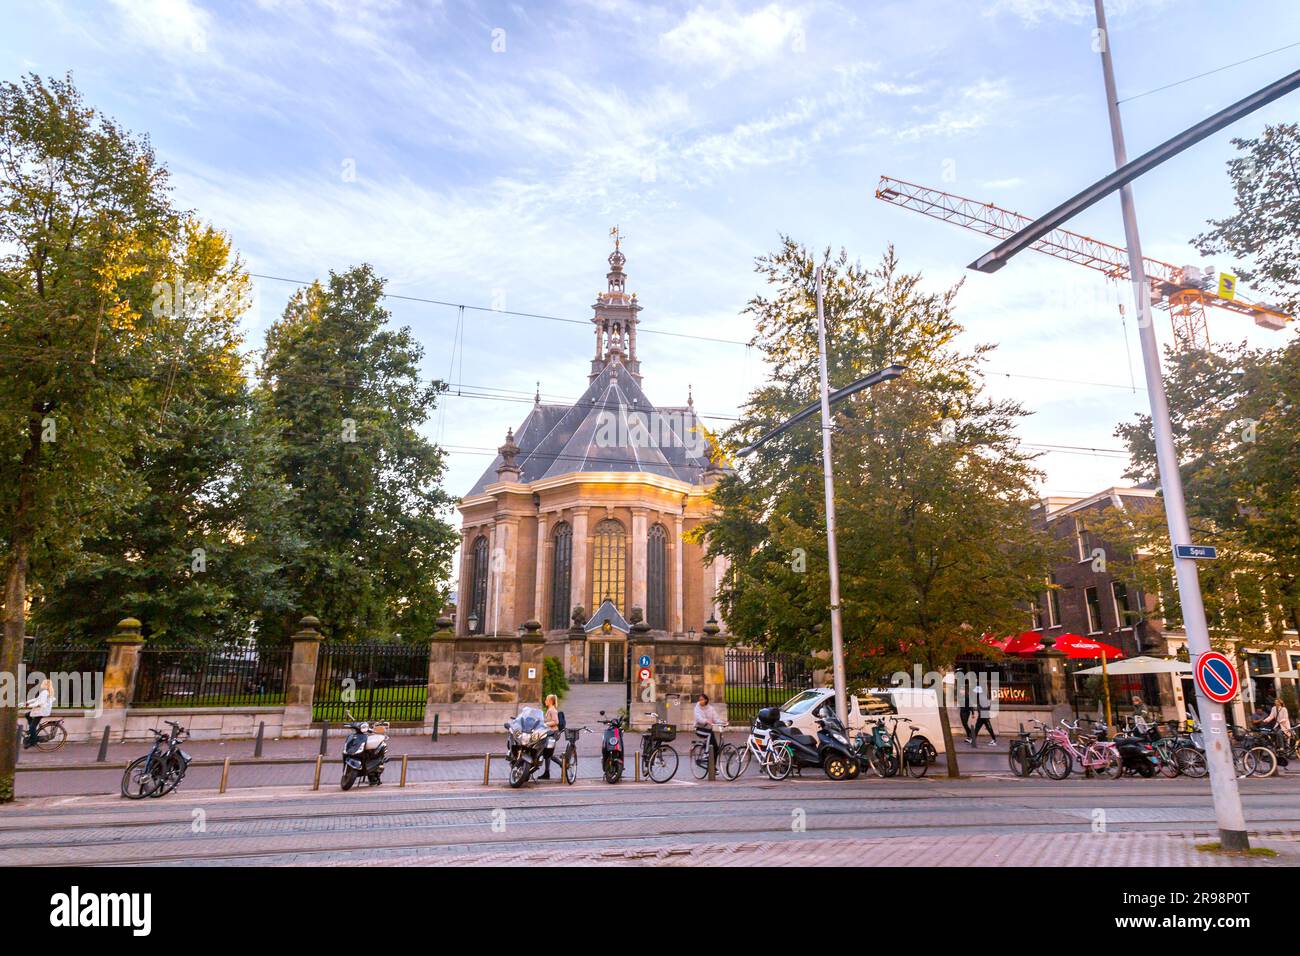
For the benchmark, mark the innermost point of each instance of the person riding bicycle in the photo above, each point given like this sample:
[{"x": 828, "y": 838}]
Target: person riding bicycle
[
  {"x": 708, "y": 723},
  {"x": 42, "y": 705}
]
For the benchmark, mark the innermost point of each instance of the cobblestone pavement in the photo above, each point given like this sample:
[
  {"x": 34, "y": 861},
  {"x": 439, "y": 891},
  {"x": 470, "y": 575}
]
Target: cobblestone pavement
[{"x": 750, "y": 821}]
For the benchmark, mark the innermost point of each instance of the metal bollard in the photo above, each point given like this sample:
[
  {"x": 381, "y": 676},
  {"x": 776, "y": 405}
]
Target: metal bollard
[
  {"x": 103, "y": 746},
  {"x": 325, "y": 737},
  {"x": 713, "y": 762},
  {"x": 315, "y": 783},
  {"x": 18, "y": 747},
  {"x": 636, "y": 766},
  {"x": 434, "y": 737},
  {"x": 225, "y": 775},
  {"x": 487, "y": 768},
  {"x": 402, "y": 782},
  {"x": 261, "y": 731}
]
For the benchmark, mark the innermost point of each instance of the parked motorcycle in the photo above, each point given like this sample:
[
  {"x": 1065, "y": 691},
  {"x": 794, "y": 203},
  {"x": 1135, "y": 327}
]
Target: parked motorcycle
[
  {"x": 830, "y": 749},
  {"x": 526, "y": 740},
  {"x": 1135, "y": 753},
  {"x": 364, "y": 752},
  {"x": 611, "y": 749}
]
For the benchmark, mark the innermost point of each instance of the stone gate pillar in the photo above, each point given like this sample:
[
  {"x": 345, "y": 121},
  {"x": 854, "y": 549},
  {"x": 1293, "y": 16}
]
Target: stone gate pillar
[
  {"x": 119, "y": 677},
  {"x": 300, "y": 692}
]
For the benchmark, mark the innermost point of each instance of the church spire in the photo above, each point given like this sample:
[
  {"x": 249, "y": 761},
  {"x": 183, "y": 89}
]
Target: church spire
[{"x": 616, "y": 318}]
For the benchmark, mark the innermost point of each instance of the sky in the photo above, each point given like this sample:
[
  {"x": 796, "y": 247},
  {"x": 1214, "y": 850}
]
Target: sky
[{"x": 480, "y": 153}]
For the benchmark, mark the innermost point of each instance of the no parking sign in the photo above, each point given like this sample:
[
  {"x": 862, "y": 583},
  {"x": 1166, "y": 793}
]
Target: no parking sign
[
  {"x": 644, "y": 674},
  {"x": 1216, "y": 677}
]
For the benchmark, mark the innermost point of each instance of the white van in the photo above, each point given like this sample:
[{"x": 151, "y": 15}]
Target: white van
[{"x": 919, "y": 705}]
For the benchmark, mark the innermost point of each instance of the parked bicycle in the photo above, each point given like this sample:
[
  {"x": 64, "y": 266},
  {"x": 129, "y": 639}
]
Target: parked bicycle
[
  {"x": 1093, "y": 754},
  {"x": 722, "y": 752},
  {"x": 162, "y": 769},
  {"x": 776, "y": 761},
  {"x": 569, "y": 762},
  {"x": 876, "y": 749},
  {"x": 1027, "y": 751},
  {"x": 658, "y": 757}
]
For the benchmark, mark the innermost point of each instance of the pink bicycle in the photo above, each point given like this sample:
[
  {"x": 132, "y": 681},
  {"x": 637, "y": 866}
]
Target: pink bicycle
[{"x": 1067, "y": 746}]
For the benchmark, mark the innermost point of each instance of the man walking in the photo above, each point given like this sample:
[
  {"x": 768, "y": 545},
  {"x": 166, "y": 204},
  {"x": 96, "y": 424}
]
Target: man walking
[{"x": 984, "y": 709}]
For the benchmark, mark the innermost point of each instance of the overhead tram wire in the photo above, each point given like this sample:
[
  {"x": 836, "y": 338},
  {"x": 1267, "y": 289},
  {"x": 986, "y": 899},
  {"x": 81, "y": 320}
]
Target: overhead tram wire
[{"x": 1217, "y": 69}]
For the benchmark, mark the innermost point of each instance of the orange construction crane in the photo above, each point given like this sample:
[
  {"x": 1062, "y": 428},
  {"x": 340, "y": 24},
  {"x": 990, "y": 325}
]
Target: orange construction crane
[{"x": 1184, "y": 291}]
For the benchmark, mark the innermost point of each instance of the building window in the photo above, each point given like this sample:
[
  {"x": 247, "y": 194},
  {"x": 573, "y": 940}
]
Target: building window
[
  {"x": 1119, "y": 593},
  {"x": 1053, "y": 603},
  {"x": 1094, "y": 610},
  {"x": 1081, "y": 540},
  {"x": 1035, "y": 616},
  {"x": 478, "y": 585},
  {"x": 561, "y": 574},
  {"x": 657, "y": 578},
  {"x": 610, "y": 564}
]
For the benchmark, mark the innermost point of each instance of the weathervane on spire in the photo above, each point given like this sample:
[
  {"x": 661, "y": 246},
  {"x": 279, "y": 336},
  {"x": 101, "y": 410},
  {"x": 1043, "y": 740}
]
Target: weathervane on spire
[{"x": 618, "y": 236}]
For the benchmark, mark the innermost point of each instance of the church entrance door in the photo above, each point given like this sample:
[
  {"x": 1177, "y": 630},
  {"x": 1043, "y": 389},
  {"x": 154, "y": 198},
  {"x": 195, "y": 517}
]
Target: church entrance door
[{"x": 606, "y": 662}]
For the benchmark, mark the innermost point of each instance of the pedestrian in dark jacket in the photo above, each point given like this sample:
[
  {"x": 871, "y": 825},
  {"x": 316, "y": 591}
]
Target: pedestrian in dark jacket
[{"x": 984, "y": 708}]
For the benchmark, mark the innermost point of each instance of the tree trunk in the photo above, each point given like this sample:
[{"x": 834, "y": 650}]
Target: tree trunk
[
  {"x": 949, "y": 749},
  {"x": 15, "y": 608}
]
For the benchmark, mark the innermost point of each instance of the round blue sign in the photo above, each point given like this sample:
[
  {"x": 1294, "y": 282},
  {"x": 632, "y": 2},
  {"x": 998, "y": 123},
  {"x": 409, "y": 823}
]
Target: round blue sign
[{"x": 644, "y": 661}]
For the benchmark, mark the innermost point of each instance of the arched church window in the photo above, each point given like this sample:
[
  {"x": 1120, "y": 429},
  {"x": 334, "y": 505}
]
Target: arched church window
[
  {"x": 478, "y": 585},
  {"x": 609, "y": 567},
  {"x": 657, "y": 578},
  {"x": 561, "y": 574}
]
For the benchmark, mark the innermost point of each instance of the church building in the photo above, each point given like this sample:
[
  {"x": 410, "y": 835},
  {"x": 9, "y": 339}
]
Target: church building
[{"x": 582, "y": 520}]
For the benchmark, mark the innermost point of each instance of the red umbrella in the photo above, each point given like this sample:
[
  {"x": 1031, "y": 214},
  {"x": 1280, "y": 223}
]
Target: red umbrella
[
  {"x": 999, "y": 642},
  {"x": 1077, "y": 647},
  {"x": 1027, "y": 642}
]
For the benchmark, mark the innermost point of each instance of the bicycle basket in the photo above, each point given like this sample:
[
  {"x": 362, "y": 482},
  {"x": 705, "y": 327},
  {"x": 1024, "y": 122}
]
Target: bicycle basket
[
  {"x": 571, "y": 734},
  {"x": 663, "y": 732}
]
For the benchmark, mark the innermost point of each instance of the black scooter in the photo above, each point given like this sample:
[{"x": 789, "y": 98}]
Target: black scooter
[
  {"x": 1136, "y": 754},
  {"x": 611, "y": 749},
  {"x": 829, "y": 750},
  {"x": 364, "y": 753}
]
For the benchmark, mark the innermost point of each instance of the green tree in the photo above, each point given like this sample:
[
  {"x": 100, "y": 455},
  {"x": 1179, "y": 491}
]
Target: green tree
[
  {"x": 86, "y": 229},
  {"x": 933, "y": 495},
  {"x": 1264, "y": 231},
  {"x": 197, "y": 555},
  {"x": 366, "y": 496},
  {"x": 1235, "y": 414}
]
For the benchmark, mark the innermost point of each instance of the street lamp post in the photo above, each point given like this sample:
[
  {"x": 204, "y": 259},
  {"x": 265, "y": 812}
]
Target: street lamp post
[
  {"x": 825, "y": 400},
  {"x": 1223, "y": 777}
]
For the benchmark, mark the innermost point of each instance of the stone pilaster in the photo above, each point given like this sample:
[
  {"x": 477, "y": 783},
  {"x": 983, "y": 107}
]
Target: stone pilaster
[
  {"x": 679, "y": 616},
  {"x": 638, "y": 564},
  {"x": 442, "y": 654},
  {"x": 581, "y": 550},
  {"x": 542, "y": 554},
  {"x": 532, "y": 647},
  {"x": 505, "y": 560},
  {"x": 300, "y": 692}
]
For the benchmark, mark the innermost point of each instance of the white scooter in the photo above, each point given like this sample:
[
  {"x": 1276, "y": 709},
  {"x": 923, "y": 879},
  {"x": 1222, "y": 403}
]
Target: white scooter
[{"x": 364, "y": 752}]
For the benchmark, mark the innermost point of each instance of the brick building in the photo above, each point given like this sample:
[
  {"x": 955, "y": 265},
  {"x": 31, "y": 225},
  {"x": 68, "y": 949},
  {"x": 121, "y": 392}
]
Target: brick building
[{"x": 582, "y": 521}]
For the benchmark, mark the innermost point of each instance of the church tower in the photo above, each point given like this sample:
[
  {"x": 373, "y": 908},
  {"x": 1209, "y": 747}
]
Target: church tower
[{"x": 616, "y": 319}]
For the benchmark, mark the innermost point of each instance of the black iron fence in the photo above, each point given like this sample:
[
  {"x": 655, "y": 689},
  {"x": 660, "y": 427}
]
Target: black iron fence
[
  {"x": 53, "y": 657},
  {"x": 758, "y": 679},
  {"x": 372, "y": 681},
  {"x": 237, "y": 675}
]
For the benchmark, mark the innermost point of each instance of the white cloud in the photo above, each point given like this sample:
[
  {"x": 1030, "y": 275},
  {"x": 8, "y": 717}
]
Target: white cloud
[
  {"x": 728, "y": 41},
  {"x": 173, "y": 27}
]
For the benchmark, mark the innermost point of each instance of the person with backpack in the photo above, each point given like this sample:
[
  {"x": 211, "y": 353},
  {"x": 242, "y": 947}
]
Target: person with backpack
[{"x": 984, "y": 712}]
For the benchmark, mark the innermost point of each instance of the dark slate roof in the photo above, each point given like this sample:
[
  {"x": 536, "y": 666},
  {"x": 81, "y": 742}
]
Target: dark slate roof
[
  {"x": 607, "y": 612},
  {"x": 612, "y": 427}
]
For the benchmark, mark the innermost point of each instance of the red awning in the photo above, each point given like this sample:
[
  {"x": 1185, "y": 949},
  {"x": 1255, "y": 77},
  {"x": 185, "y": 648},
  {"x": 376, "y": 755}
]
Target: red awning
[
  {"x": 999, "y": 642},
  {"x": 1077, "y": 647}
]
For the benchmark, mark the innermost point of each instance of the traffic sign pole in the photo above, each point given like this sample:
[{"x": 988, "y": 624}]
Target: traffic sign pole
[{"x": 1218, "y": 749}]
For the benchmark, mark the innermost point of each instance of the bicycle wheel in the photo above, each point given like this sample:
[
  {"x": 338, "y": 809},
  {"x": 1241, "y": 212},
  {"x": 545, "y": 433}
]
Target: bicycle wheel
[
  {"x": 1242, "y": 763},
  {"x": 570, "y": 764},
  {"x": 779, "y": 763},
  {"x": 914, "y": 761},
  {"x": 1168, "y": 766},
  {"x": 661, "y": 766},
  {"x": 1018, "y": 758},
  {"x": 1265, "y": 761},
  {"x": 172, "y": 776},
  {"x": 1191, "y": 762},
  {"x": 51, "y": 738},
  {"x": 140, "y": 779},
  {"x": 884, "y": 762},
  {"x": 738, "y": 762},
  {"x": 1057, "y": 763},
  {"x": 1113, "y": 768},
  {"x": 729, "y": 761}
]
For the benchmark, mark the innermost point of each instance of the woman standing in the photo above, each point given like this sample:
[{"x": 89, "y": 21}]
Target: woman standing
[{"x": 552, "y": 719}]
